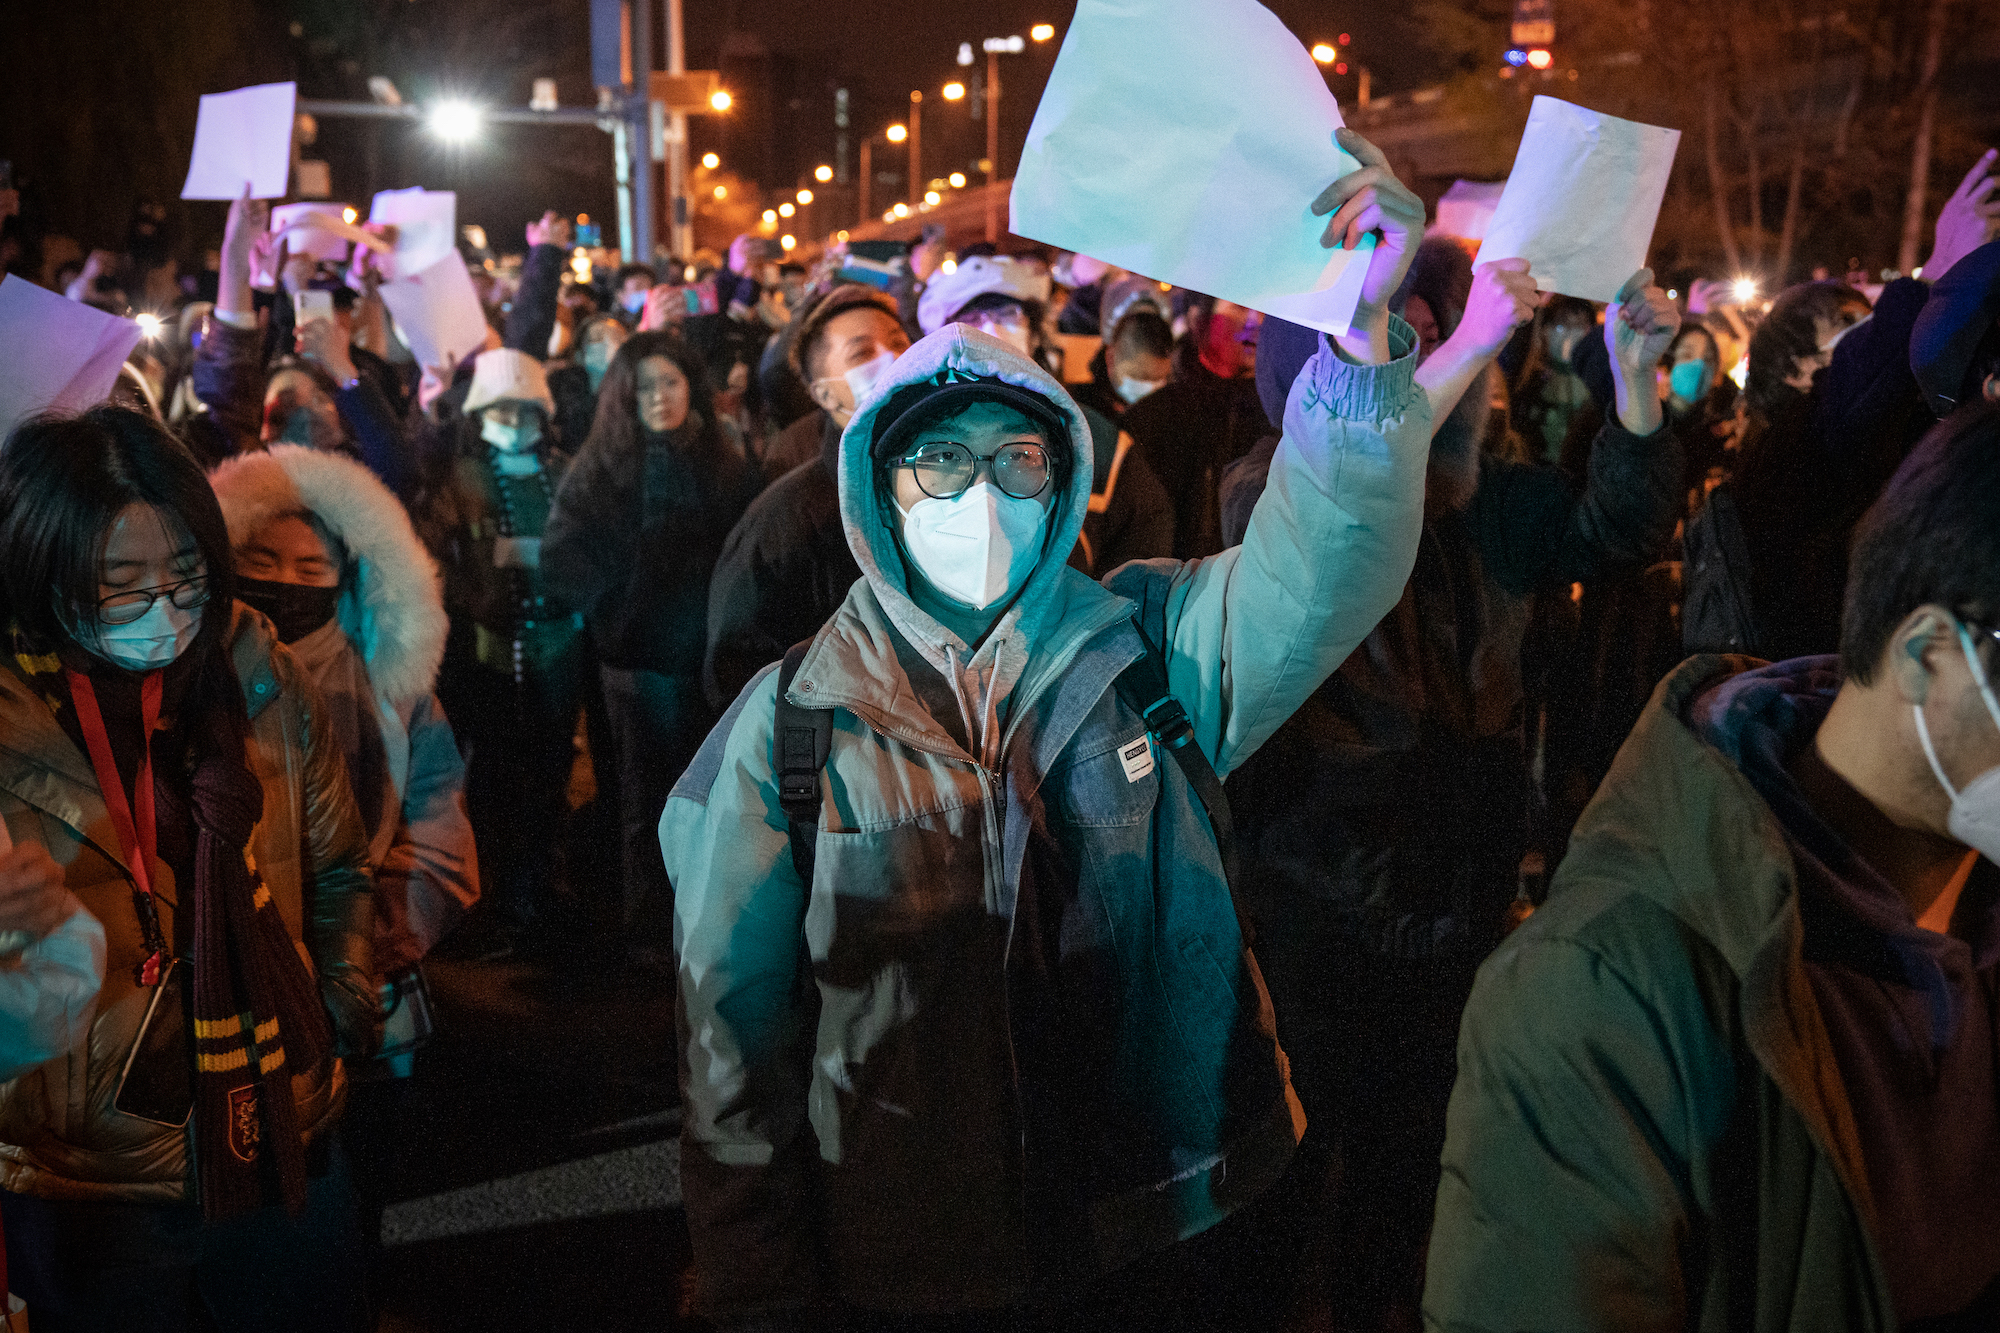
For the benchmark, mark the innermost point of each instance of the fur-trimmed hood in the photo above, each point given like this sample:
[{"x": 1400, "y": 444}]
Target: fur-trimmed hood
[{"x": 392, "y": 601}]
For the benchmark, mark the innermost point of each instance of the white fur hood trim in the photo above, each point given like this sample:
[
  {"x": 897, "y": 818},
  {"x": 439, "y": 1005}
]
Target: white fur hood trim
[{"x": 392, "y": 606}]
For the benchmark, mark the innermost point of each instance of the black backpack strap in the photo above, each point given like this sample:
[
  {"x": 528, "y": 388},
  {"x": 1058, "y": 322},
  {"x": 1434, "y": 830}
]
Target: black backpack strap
[
  {"x": 802, "y": 740},
  {"x": 1143, "y": 688}
]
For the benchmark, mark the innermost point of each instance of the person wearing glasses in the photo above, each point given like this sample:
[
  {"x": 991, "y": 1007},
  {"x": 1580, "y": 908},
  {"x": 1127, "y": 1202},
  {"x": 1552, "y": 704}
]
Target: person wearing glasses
[
  {"x": 161, "y": 748},
  {"x": 971, "y": 1034},
  {"x": 1739, "y": 1071}
]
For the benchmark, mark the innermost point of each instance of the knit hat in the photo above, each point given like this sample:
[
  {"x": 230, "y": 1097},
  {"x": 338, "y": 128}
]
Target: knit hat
[
  {"x": 980, "y": 275},
  {"x": 505, "y": 375},
  {"x": 1964, "y": 305},
  {"x": 849, "y": 296}
]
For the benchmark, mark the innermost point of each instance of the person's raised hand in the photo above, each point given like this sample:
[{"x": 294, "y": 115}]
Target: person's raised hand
[
  {"x": 665, "y": 307},
  {"x": 1372, "y": 199},
  {"x": 1969, "y": 219},
  {"x": 1503, "y": 298},
  {"x": 324, "y": 343},
  {"x": 248, "y": 228},
  {"x": 32, "y": 897},
  {"x": 435, "y": 380},
  {"x": 1639, "y": 326},
  {"x": 552, "y": 229}
]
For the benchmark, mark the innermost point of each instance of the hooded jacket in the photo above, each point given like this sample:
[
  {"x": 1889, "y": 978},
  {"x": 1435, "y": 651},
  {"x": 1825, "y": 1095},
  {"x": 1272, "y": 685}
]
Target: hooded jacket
[
  {"x": 60, "y": 1135},
  {"x": 1649, "y": 1130},
  {"x": 1010, "y": 1037},
  {"x": 375, "y": 665}
]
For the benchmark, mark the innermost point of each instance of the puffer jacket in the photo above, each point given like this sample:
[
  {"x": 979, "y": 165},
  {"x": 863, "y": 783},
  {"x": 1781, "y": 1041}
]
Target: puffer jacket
[
  {"x": 60, "y": 1137},
  {"x": 1010, "y": 1037},
  {"x": 375, "y": 665}
]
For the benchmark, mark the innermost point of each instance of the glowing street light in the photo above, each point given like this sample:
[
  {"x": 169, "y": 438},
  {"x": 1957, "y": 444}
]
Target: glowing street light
[
  {"x": 958, "y": 180},
  {"x": 901, "y": 210},
  {"x": 789, "y": 242},
  {"x": 721, "y": 100},
  {"x": 805, "y": 196},
  {"x": 722, "y": 192},
  {"x": 456, "y": 121},
  {"x": 823, "y": 174},
  {"x": 785, "y": 209},
  {"x": 771, "y": 215},
  {"x": 1041, "y": 32},
  {"x": 898, "y": 133},
  {"x": 932, "y": 197},
  {"x": 711, "y": 161},
  {"x": 954, "y": 91},
  {"x": 1325, "y": 54}
]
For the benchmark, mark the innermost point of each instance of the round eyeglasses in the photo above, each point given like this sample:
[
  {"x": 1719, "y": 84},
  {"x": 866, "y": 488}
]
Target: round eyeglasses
[
  {"x": 944, "y": 471},
  {"x": 122, "y": 608}
]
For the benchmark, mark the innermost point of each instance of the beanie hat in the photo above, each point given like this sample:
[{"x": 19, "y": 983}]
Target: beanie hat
[{"x": 505, "y": 375}]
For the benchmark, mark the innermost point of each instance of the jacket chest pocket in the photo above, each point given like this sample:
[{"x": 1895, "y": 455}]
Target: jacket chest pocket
[{"x": 1110, "y": 785}]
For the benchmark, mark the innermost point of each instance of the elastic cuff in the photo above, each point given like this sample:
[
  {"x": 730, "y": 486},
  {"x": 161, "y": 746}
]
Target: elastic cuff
[
  {"x": 1364, "y": 393},
  {"x": 236, "y": 319}
]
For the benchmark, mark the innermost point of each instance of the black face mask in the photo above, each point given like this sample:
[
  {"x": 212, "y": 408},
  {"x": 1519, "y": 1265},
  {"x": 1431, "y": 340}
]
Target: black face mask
[{"x": 294, "y": 608}]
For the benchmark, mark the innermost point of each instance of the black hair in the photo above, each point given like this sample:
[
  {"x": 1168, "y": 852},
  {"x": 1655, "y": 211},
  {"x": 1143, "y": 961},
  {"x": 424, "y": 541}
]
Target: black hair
[
  {"x": 1929, "y": 539},
  {"x": 1788, "y": 333},
  {"x": 63, "y": 481},
  {"x": 1143, "y": 329},
  {"x": 616, "y": 426},
  {"x": 636, "y": 271}
]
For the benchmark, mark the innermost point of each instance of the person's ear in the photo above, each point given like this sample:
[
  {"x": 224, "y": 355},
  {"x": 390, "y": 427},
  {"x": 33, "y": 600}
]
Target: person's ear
[
  {"x": 827, "y": 394},
  {"x": 1913, "y": 650},
  {"x": 1990, "y": 390}
]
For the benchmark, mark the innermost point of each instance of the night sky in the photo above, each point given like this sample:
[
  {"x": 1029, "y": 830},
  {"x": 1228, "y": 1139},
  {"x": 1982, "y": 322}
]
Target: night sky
[{"x": 99, "y": 108}]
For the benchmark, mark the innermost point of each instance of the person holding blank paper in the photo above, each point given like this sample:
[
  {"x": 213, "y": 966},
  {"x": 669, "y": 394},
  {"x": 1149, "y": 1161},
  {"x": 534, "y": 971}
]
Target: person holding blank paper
[{"x": 971, "y": 1034}]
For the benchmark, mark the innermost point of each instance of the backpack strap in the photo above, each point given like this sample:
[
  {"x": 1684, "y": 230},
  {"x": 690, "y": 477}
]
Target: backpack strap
[
  {"x": 1143, "y": 688},
  {"x": 802, "y": 740}
]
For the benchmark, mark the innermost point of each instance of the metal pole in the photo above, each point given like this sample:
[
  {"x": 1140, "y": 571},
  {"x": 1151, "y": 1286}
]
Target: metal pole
[
  {"x": 682, "y": 230},
  {"x": 867, "y": 179},
  {"x": 641, "y": 133},
  {"x": 916, "y": 147},
  {"x": 992, "y": 145},
  {"x": 621, "y": 156}
]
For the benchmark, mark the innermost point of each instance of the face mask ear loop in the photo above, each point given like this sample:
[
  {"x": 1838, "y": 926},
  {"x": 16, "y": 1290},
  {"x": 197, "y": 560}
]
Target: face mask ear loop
[{"x": 1930, "y": 753}]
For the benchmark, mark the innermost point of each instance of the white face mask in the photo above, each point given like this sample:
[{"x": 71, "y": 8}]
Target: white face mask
[
  {"x": 976, "y": 548},
  {"x": 1132, "y": 390},
  {"x": 861, "y": 380},
  {"x": 153, "y": 640},
  {"x": 1975, "y": 811},
  {"x": 515, "y": 439}
]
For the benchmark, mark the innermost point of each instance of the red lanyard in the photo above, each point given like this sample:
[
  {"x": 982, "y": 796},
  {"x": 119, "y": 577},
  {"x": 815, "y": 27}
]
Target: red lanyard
[{"x": 137, "y": 837}]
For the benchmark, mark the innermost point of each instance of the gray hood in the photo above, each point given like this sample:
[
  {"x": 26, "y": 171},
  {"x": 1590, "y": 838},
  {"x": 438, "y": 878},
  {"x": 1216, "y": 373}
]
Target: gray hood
[{"x": 982, "y": 679}]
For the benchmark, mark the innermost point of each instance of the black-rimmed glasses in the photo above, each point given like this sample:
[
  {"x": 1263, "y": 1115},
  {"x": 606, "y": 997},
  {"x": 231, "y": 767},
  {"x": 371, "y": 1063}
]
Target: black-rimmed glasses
[{"x": 944, "y": 471}]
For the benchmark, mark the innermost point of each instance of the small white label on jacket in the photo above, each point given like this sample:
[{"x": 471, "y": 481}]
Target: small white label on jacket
[{"x": 1137, "y": 758}]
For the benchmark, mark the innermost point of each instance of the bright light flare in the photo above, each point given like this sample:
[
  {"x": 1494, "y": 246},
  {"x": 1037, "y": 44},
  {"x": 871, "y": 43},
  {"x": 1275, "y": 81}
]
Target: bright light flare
[
  {"x": 1743, "y": 289},
  {"x": 721, "y": 100},
  {"x": 958, "y": 180},
  {"x": 785, "y": 209},
  {"x": 823, "y": 174},
  {"x": 788, "y": 242},
  {"x": 805, "y": 196},
  {"x": 933, "y": 198},
  {"x": 722, "y": 192},
  {"x": 711, "y": 161},
  {"x": 1041, "y": 32},
  {"x": 348, "y": 215},
  {"x": 770, "y": 215},
  {"x": 901, "y": 210},
  {"x": 954, "y": 92},
  {"x": 456, "y": 121},
  {"x": 149, "y": 325},
  {"x": 949, "y": 267},
  {"x": 898, "y": 133},
  {"x": 1325, "y": 54},
  {"x": 1539, "y": 59}
]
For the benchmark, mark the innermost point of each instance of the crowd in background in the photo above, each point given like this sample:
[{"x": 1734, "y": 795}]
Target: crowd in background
[{"x": 480, "y": 619}]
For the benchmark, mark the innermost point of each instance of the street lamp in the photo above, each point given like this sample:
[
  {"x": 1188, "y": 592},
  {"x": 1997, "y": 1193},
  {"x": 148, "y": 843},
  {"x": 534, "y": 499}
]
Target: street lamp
[
  {"x": 1325, "y": 54},
  {"x": 958, "y": 180},
  {"x": 785, "y": 209},
  {"x": 456, "y": 121},
  {"x": 823, "y": 174},
  {"x": 805, "y": 196},
  {"x": 710, "y": 161},
  {"x": 954, "y": 92},
  {"x": 722, "y": 192},
  {"x": 896, "y": 134},
  {"x": 721, "y": 100},
  {"x": 1041, "y": 32}
]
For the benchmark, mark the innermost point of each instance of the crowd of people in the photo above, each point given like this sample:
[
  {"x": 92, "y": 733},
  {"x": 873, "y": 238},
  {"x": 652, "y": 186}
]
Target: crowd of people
[{"x": 1148, "y": 815}]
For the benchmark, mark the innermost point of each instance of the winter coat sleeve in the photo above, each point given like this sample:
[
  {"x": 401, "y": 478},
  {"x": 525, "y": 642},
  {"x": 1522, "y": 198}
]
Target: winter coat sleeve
[
  {"x": 590, "y": 540},
  {"x": 340, "y": 902},
  {"x": 48, "y": 992},
  {"x": 746, "y": 1023},
  {"x": 532, "y": 321},
  {"x": 1253, "y": 631},
  {"x": 1533, "y": 531},
  {"x": 229, "y": 379},
  {"x": 1586, "y": 1089},
  {"x": 429, "y": 879}
]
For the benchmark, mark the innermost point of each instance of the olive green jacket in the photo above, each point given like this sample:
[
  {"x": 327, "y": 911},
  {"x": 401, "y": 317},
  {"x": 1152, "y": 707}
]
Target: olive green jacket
[{"x": 1649, "y": 1131}]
